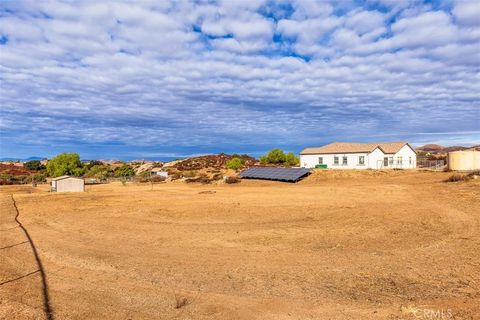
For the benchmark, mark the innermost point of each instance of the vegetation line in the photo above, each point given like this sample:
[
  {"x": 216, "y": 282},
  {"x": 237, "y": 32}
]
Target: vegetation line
[{"x": 46, "y": 299}]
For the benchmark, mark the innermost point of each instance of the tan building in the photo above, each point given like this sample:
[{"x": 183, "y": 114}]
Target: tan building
[
  {"x": 68, "y": 184},
  {"x": 466, "y": 160}
]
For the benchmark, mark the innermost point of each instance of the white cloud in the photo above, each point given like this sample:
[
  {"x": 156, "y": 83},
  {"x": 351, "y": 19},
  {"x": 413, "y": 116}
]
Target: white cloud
[
  {"x": 183, "y": 73},
  {"x": 364, "y": 21},
  {"x": 467, "y": 13}
]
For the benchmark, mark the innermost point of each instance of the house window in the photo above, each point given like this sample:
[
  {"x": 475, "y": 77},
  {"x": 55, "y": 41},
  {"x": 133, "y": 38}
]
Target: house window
[
  {"x": 320, "y": 160},
  {"x": 385, "y": 162},
  {"x": 409, "y": 160},
  {"x": 390, "y": 161},
  {"x": 344, "y": 160},
  {"x": 361, "y": 160},
  {"x": 335, "y": 160}
]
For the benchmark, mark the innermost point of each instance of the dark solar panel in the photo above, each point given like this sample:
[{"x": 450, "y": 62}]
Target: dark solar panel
[{"x": 282, "y": 174}]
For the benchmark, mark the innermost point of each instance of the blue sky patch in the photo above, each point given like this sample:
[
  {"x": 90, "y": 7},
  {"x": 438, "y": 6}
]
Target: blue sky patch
[{"x": 168, "y": 80}]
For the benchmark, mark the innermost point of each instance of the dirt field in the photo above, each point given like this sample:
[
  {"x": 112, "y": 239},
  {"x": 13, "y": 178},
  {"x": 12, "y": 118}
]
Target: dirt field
[{"x": 338, "y": 245}]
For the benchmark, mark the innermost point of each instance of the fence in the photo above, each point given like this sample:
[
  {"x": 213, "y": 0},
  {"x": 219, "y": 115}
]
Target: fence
[{"x": 436, "y": 165}]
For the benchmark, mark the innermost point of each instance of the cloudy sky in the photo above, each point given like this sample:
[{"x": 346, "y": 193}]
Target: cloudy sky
[{"x": 155, "y": 79}]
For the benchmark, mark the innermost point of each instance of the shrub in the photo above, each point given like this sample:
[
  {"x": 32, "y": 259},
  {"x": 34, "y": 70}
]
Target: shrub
[
  {"x": 235, "y": 163},
  {"x": 7, "y": 179},
  {"x": 277, "y": 156},
  {"x": 274, "y": 156},
  {"x": 124, "y": 171},
  {"x": 291, "y": 159},
  {"x": 466, "y": 177},
  {"x": 231, "y": 180},
  {"x": 189, "y": 174},
  {"x": 93, "y": 163},
  {"x": 34, "y": 165},
  {"x": 39, "y": 177},
  {"x": 202, "y": 178},
  {"x": 474, "y": 173},
  {"x": 99, "y": 171},
  {"x": 181, "y": 302},
  {"x": 217, "y": 176},
  {"x": 460, "y": 177},
  {"x": 65, "y": 164},
  {"x": 157, "y": 178}
]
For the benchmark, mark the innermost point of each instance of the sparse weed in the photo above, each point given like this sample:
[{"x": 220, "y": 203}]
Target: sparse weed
[{"x": 181, "y": 302}]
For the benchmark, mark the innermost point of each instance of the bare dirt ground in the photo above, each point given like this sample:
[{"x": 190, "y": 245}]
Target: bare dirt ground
[{"x": 338, "y": 245}]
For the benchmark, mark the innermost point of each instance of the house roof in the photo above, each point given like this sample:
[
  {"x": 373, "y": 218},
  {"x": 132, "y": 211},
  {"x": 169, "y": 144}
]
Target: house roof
[
  {"x": 349, "y": 147},
  {"x": 64, "y": 177}
]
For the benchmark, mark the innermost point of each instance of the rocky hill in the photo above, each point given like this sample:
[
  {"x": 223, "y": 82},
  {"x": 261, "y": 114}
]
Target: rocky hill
[{"x": 438, "y": 149}]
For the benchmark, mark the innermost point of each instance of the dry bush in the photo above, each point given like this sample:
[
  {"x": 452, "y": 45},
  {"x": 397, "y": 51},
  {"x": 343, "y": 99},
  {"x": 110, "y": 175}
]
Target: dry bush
[
  {"x": 217, "y": 176},
  {"x": 157, "y": 178},
  {"x": 202, "y": 178},
  {"x": 459, "y": 177},
  {"x": 176, "y": 175},
  {"x": 474, "y": 173},
  {"x": 181, "y": 302},
  {"x": 231, "y": 180},
  {"x": 190, "y": 174}
]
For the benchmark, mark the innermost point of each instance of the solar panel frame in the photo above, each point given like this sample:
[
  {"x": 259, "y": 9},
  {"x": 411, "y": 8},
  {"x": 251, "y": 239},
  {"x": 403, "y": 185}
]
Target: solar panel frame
[{"x": 274, "y": 173}]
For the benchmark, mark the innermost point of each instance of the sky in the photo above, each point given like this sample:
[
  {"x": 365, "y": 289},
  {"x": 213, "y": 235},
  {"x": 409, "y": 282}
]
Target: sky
[{"x": 160, "y": 79}]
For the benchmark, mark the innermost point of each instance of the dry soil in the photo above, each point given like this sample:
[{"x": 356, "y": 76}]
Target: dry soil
[{"x": 338, "y": 245}]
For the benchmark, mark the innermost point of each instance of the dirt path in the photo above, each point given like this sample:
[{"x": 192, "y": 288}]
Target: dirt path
[{"x": 371, "y": 246}]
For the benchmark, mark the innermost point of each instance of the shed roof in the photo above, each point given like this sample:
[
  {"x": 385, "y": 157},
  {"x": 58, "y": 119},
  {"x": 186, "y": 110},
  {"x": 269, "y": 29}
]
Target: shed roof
[
  {"x": 349, "y": 147},
  {"x": 64, "y": 177}
]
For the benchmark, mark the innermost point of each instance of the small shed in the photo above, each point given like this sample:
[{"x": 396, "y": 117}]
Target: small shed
[{"x": 68, "y": 184}]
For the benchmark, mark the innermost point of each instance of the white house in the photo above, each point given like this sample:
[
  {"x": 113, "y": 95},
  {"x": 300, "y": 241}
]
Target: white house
[{"x": 346, "y": 155}]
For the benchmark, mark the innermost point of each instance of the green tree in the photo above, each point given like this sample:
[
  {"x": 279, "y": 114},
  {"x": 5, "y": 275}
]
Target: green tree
[
  {"x": 99, "y": 171},
  {"x": 235, "y": 163},
  {"x": 39, "y": 177},
  {"x": 277, "y": 156},
  {"x": 65, "y": 164},
  {"x": 93, "y": 163},
  {"x": 34, "y": 165},
  {"x": 291, "y": 159},
  {"x": 274, "y": 156},
  {"x": 124, "y": 171}
]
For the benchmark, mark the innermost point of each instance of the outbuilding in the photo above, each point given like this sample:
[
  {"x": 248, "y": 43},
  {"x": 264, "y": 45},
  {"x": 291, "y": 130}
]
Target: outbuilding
[
  {"x": 68, "y": 184},
  {"x": 467, "y": 160}
]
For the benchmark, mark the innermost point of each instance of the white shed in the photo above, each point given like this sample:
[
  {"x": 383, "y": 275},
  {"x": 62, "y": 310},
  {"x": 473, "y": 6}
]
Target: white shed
[{"x": 68, "y": 184}]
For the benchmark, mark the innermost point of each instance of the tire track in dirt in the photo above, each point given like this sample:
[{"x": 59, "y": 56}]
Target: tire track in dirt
[{"x": 45, "y": 295}]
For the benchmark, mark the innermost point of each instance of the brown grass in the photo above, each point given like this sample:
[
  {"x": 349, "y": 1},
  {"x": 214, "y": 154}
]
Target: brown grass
[{"x": 337, "y": 245}]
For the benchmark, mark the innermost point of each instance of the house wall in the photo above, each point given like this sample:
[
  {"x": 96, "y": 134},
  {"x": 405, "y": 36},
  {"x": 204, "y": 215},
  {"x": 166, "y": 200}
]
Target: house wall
[
  {"x": 373, "y": 160},
  {"x": 69, "y": 185},
  {"x": 311, "y": 160},
  {"x": 406, "y": 152},
  {"x": 405, "y": 158}
]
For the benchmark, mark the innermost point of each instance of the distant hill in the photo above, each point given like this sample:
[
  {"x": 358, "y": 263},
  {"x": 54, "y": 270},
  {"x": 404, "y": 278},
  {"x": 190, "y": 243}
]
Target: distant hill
[
  {"x": 429, "y": 148},
  {"x": 21, "y": 160},
  {"x": 438, "y": 149}
]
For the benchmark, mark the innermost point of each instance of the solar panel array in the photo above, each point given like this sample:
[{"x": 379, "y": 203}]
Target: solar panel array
[{"x": 281, "y": 174}]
